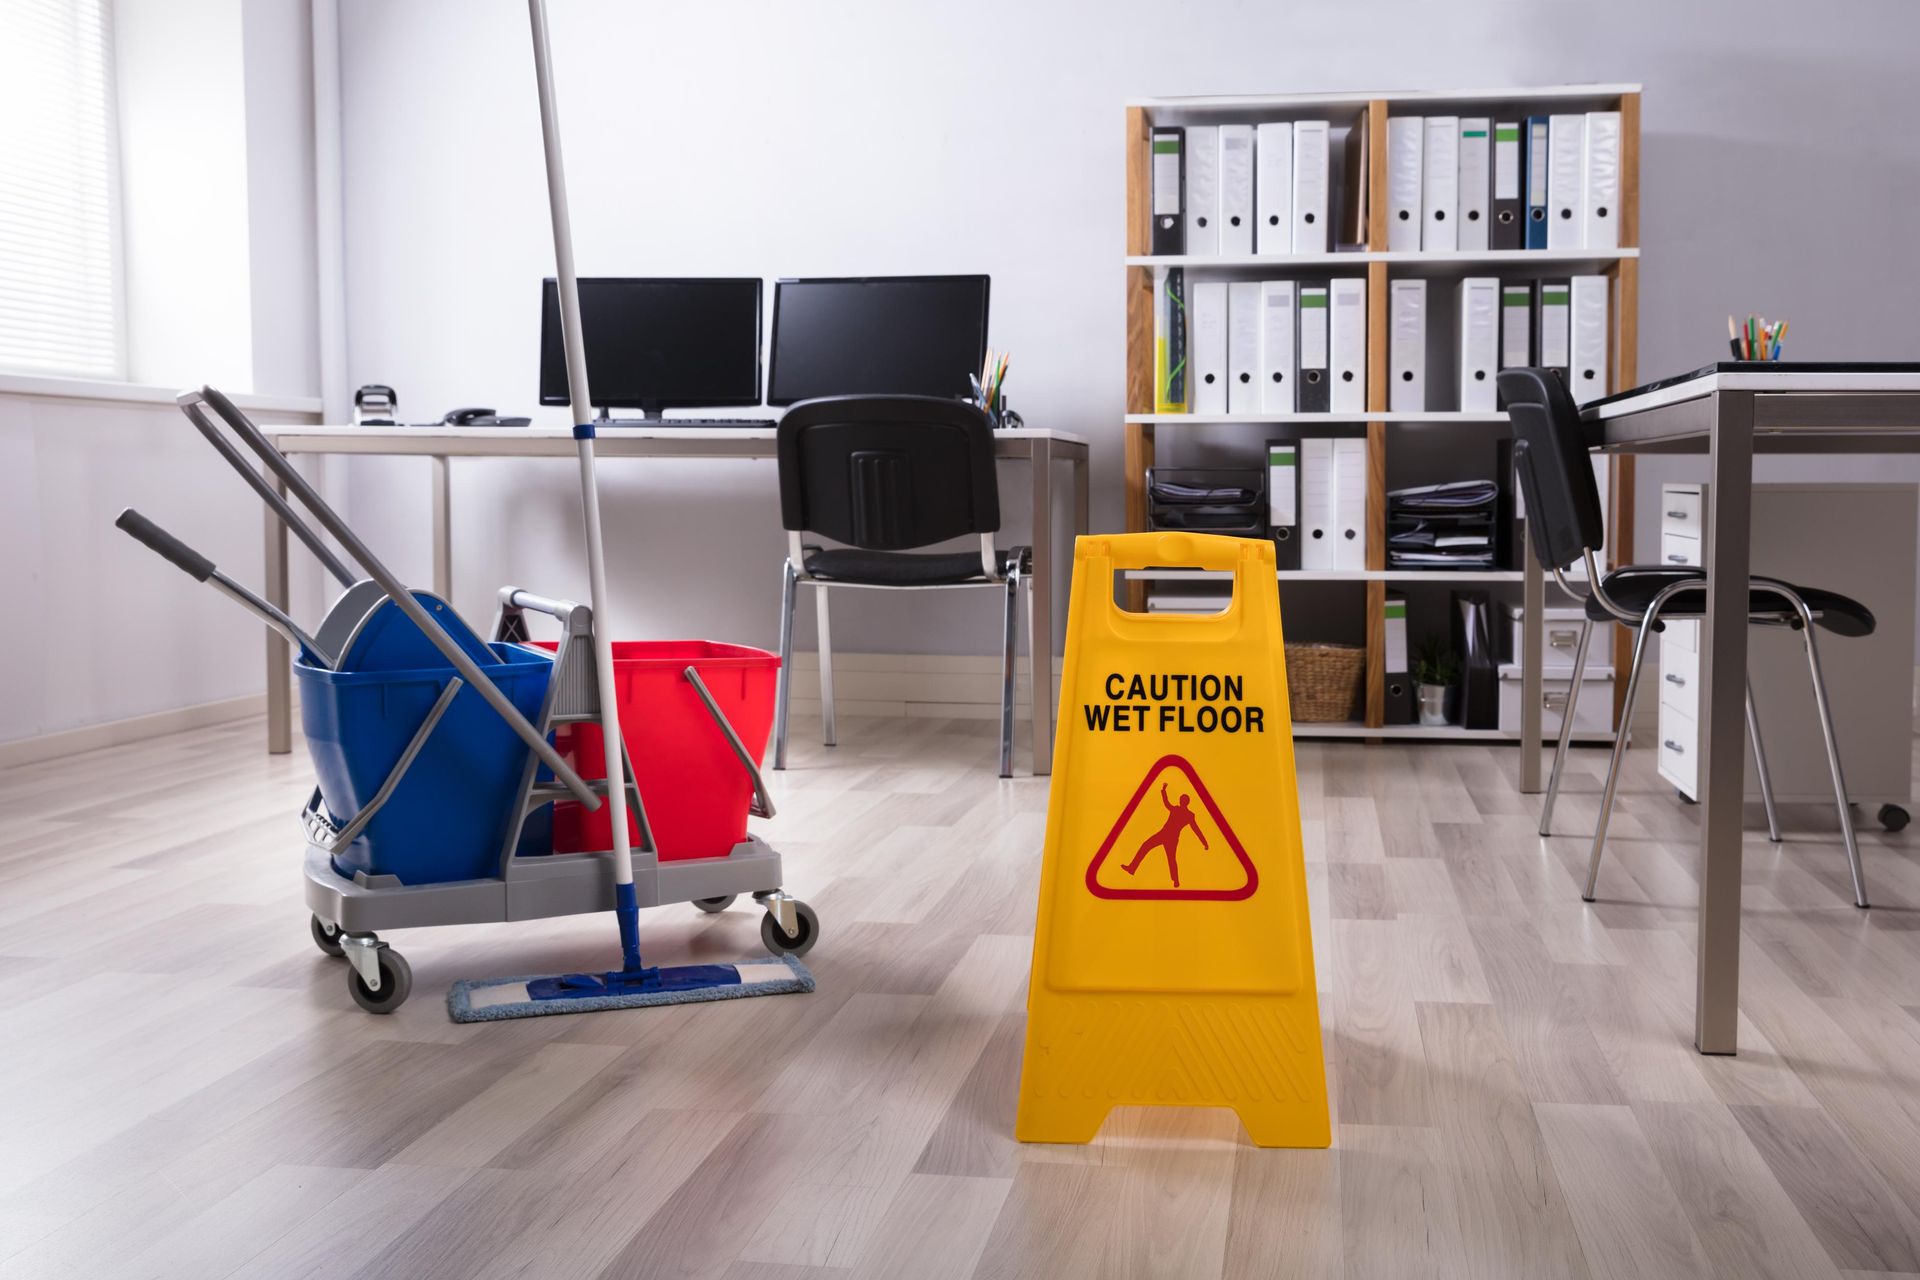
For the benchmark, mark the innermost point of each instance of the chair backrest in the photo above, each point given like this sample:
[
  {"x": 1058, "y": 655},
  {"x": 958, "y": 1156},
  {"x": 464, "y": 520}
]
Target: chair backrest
[
  {"x": 887, "y": 473},
  {"x": 1564, "y": 519}
]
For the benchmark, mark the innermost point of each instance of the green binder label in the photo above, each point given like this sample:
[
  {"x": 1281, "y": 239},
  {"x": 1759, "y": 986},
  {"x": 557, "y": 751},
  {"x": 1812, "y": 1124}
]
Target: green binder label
[
  {"x": 1553, "y": 297},
  {"x": 1507, "y": 133},
  {"x": 1394, "y": 609},
  {"x": 1168, "y": 147},
  {"x": 1310, "y": 298}
]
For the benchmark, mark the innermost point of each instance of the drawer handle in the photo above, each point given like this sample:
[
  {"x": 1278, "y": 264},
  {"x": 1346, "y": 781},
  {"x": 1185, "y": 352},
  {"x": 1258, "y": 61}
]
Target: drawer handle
[
  {"x": 1670, "y": 678},
  {"x": 1674, "y": 747},
  {"x": 1554, "y": 701},
  {"x": 1676, "y": 559},
  {"x": 1561, "y": 639},
  {"x": 1676, "y": 515}
]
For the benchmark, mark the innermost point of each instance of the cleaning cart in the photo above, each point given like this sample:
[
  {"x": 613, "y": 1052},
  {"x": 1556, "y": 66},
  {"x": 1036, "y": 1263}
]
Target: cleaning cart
[{"x": 441, "y": 791}]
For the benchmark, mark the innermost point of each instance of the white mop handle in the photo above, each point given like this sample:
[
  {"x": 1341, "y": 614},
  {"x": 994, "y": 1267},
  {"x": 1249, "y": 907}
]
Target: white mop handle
[{"x": 569, "y": 290}]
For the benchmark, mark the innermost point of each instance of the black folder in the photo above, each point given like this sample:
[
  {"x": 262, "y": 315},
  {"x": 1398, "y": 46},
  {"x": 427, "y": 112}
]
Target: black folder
[
  {"x": 1167, "y": 158},
  {"x": 1313, "y": 331}
]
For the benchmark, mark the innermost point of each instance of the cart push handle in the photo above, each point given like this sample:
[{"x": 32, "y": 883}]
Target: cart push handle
[
  {"x": 201, "y": 569},
  {"x": 164, "y": 544},
  {"x": 330, "y": 520}
]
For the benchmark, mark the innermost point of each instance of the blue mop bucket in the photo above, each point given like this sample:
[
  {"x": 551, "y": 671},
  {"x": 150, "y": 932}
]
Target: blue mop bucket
[{"x": 448, "y": 816}]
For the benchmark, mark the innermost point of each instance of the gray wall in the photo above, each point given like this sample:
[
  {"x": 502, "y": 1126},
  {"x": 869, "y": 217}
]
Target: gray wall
[{"x": 784, "y": 139}]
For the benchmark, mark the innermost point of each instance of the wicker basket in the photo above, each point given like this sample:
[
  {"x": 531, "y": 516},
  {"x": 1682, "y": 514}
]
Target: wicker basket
[{"x": 1324, "y": 681}]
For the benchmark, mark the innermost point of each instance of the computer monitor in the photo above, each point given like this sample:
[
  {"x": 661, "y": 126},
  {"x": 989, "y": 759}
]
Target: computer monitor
[
  {"x": 884, "y": 335},
  {"x": 658, "y": 343}
]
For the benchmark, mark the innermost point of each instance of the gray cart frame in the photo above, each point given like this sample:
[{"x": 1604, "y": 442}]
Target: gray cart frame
[{"x": 350, "y": 912}]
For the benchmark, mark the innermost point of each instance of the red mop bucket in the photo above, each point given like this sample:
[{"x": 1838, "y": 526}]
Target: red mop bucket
[{"x": 695, "y": 789}]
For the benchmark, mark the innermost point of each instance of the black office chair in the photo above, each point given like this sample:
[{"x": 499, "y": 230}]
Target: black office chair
[
  {"x": 885, "y": 475},
  {"x": 1564, "y": 523}
]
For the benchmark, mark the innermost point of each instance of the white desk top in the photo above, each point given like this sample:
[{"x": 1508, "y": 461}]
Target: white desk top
[
  {"x": 564, "y": 434},
  {"x": 1757, "y": 380}
]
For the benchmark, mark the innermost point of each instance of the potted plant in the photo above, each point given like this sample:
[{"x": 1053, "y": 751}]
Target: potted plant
[{"x": 1436, "y": 673}]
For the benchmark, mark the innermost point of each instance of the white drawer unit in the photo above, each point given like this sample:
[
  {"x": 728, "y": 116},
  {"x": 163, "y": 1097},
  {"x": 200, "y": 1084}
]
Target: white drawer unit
[
  {"x": 1562, "y": 635},
  {"x": 1809, "y": 534},
  {"x": 1679, "y": 550},
  {"x": 1679, "y": 744},
  {"x": 1682, "y": 508},
  {"x": 1592, "y": 715}
]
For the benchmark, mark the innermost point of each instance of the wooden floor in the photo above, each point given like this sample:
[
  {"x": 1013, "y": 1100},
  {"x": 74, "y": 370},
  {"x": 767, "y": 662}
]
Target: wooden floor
[{"x": 191, "y": 1093}]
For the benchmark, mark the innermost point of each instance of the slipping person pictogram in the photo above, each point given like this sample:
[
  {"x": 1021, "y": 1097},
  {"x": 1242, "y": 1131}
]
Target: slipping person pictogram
[{"x": 1179, "y": 820}]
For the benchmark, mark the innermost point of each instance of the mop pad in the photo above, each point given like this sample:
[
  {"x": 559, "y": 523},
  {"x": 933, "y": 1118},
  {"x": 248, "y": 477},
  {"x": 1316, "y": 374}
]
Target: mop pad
[{"x": 496, "y": 999}]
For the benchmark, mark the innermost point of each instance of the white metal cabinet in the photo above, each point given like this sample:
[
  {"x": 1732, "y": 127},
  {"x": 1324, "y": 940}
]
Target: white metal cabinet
[{"x": 1857, "y": 539}]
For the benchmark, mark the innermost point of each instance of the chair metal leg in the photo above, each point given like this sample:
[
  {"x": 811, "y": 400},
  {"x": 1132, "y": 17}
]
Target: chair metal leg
[
  {"x": 1620, "y": 745},
  {"x": 785, "y": 684},
  {"x": 1760, "y": 760},
  {"x": 1833, "y": 758},
  {"x": 1006, "y": 674},
  {"x": 1566, "y": 726},
  {"x": 820, "y": 594}
]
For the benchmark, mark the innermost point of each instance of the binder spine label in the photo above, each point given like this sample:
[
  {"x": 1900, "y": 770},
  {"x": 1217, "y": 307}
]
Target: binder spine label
[
  {"x": 1516, "y": 308},
  {"x": 1506, "y": 162},
  {"x": 1537, "y": 166},
  {"x": 1282, "y": 468},
  {"x": 1313, "y": 328},
  {"x": 1554, "y": 304},
  {"x": 1166, "y": 176}
]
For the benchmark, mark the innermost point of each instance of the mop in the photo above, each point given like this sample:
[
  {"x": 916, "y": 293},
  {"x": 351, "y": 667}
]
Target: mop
[{"x": 633, "y": 984}]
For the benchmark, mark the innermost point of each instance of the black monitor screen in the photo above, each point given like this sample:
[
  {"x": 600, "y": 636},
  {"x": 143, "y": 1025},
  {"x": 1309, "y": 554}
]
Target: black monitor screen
[
  {"x": 658, "y": 343},
  {"x": 890, "y": 335}
]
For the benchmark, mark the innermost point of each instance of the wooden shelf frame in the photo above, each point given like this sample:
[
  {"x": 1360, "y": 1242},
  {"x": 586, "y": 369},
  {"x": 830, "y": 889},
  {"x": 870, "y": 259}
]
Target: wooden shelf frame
[{"x": 1621, "y": 267}]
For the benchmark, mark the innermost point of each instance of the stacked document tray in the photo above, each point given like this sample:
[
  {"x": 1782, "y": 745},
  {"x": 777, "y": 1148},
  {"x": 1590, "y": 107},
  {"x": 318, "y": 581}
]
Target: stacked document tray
[{"x": 1444, "y": 526}]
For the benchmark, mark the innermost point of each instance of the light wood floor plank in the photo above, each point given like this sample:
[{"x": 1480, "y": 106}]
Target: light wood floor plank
[{"x": 1611, "y": 1176}]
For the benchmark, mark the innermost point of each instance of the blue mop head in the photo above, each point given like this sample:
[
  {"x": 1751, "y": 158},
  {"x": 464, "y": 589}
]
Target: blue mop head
[{"x": 496, "y": 999}]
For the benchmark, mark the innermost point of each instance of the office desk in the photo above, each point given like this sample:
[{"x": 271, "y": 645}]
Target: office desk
[
  {"x": 1730, "y": 417},
  {"x": 1040, "y": 448}
]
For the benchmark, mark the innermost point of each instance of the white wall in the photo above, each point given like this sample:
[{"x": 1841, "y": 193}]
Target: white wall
[
  {"x": 183, "y": 148},
  {"x": 877, "y": 136},
  {"x": 217, "y": 152},
  {"x": 101, "y": 629}
]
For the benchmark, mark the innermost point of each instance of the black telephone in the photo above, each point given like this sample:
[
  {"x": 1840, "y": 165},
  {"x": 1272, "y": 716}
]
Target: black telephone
[{"x": 477, "y": 417}]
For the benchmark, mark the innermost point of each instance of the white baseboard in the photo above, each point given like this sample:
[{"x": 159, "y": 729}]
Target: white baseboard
[
  {"x": 114, "y": 733},
  {"x": 910, "y": 684}
]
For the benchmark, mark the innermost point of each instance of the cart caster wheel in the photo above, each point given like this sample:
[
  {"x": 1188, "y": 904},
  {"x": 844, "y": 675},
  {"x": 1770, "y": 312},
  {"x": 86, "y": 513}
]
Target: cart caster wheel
[
  {"x": 796, "y": 944},
  {"x": 714, "y": 906},
  {"x": 1893, "y": 817},
  {"x": 396, "y": 983},
  {"x": 326, "y": 936}
]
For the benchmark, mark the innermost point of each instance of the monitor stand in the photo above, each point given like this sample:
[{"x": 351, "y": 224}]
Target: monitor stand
[{"x": 648, "y": 414}]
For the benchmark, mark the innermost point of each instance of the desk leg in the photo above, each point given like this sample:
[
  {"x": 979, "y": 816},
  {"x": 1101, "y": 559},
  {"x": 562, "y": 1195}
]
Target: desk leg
[
  {"x": 1533, "y": 603},
  {"x": 1723, "y": 745},
  {"x": 1040, "y": 607},
  {"x": 443, "y": 529},
  {"x": 1080, "y": 508},
  {"x": 279, "y": 655}
]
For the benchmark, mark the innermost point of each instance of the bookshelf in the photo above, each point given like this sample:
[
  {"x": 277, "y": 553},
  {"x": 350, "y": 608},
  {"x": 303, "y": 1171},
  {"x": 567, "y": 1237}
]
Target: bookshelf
[{"x": 1146, "y": 431}]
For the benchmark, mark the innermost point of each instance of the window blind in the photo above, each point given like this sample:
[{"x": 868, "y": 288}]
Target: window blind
[{"x": 60, "y": 304}]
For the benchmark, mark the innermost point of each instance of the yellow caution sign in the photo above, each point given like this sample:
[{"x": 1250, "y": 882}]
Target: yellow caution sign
[{"x": 1172, "y": 959}]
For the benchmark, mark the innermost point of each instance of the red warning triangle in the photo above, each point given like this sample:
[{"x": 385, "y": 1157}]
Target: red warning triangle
[{"x": 1173, "y": 859}]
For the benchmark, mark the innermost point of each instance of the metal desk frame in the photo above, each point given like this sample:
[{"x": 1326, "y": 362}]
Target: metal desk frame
[
  {"x": 1040, "y": 448},
  {"x": 1730, "y": 417}
]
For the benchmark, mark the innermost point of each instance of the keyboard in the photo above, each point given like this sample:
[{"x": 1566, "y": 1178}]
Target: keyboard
[{"x": 733, "y": 423}]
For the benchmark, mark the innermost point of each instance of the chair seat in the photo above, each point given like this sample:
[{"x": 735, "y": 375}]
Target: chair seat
[
  {"x": 1634, "y": 587},
  {"x": 904, "y": 568}
]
